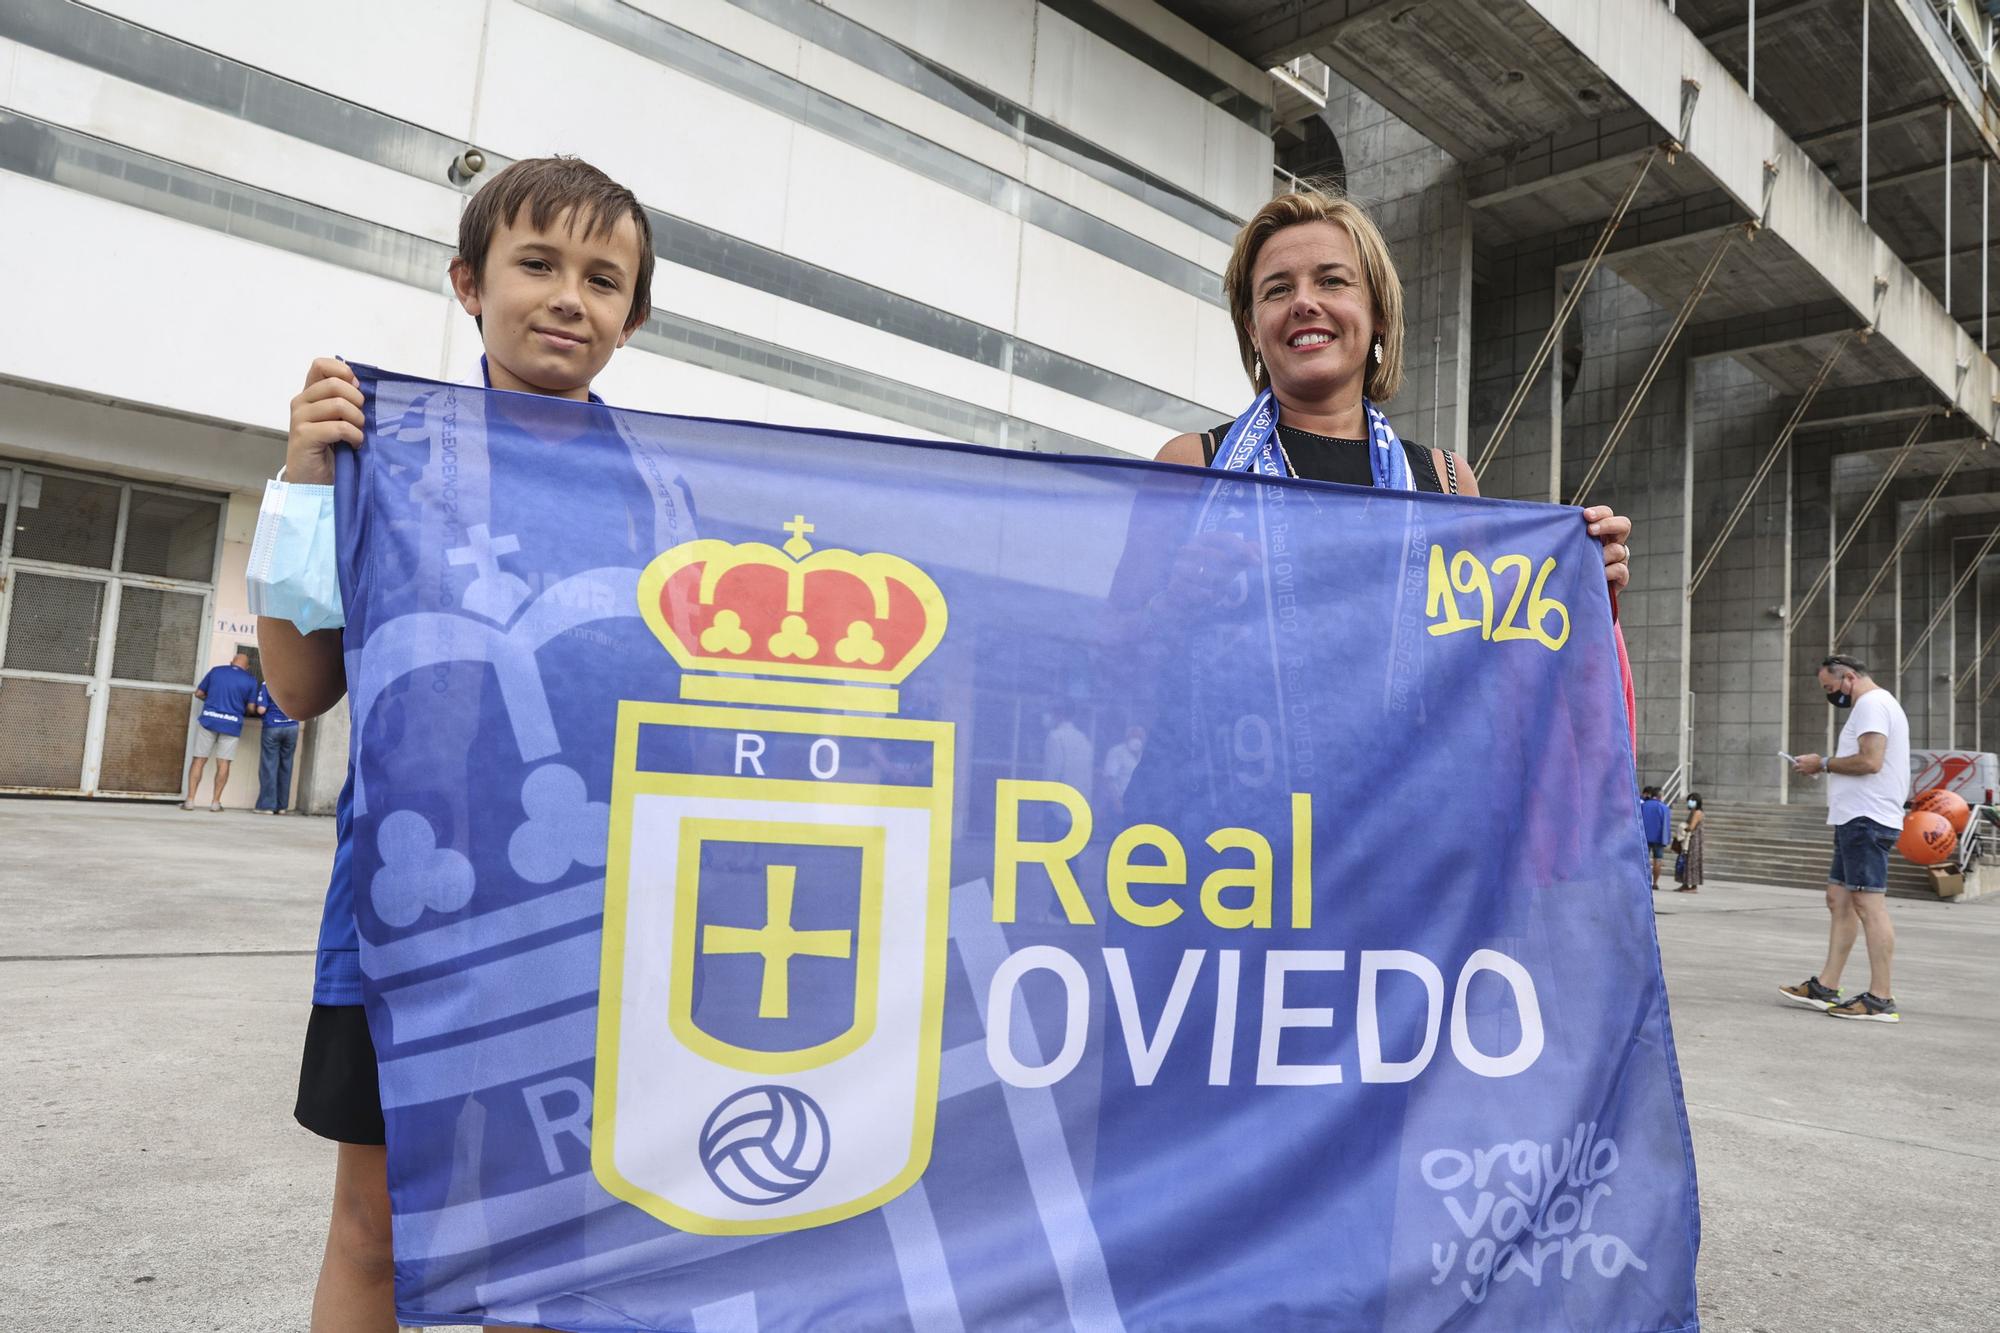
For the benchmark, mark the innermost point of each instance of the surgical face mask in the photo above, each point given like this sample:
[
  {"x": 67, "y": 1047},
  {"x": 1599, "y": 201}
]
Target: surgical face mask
[
  {"x": 292, "y": 574},
  {"x": 1693, "y": 804}
]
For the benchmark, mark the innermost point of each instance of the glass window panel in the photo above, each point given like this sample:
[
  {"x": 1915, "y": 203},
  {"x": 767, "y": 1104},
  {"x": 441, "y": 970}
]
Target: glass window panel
[
  {"x": 44, "y": 722},
  {"x": 66, "y": 520},
  {"x": 145, "y": 741},
  {"x": 53, "y": 624},
  {"x": 172, "y": 536},
  {"x": 158, "y": 635}
]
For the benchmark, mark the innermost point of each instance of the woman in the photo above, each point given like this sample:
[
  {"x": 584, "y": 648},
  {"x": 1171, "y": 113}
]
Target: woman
[
  {"x": 1690, "y": 859},
  {"x": 1318, "y": 311}
]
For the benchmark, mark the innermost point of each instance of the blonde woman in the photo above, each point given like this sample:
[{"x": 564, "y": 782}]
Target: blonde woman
[{"x": 1318, "y": 311}]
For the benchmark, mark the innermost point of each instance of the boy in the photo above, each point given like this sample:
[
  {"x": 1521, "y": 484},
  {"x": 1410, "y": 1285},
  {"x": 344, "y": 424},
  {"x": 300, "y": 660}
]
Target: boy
[
  {"x": 1658, "y": 821},
  {"x": 555, "y": 264}
]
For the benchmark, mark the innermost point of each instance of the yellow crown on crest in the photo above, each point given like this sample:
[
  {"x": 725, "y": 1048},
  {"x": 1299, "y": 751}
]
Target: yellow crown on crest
[{"x": 749, "y": 609}]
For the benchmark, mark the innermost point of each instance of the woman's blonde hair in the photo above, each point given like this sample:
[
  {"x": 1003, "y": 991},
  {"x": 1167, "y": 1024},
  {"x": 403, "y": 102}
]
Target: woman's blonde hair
[{"x": 1384, "y": 287}]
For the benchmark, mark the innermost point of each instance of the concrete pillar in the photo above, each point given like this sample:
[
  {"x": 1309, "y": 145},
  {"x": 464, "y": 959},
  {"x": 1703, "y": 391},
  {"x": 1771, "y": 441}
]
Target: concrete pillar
[
  {"x": 1649, "y": 479},
  {"x": 1512, "y": 308},
  {"x": 1737, "y": 632},
  {"x": 1816, "y": 528},
  {"x": 322, "y": 761},
  {"x": 1415, "y": 191}
]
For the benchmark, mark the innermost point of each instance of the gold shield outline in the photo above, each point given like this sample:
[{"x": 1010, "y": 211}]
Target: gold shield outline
[
  {"x": 695, "y": 833},
  {"x": 628, "y": 783}
]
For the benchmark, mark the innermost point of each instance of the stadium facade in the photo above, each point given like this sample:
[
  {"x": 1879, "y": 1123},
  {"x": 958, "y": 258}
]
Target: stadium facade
[{"x": 1005, "y": 221}]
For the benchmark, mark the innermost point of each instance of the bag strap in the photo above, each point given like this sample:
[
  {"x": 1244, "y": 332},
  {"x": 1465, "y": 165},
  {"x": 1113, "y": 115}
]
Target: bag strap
[
  {"x": 1208, "y": 448},
  {"x": 1444, "y": 465}
]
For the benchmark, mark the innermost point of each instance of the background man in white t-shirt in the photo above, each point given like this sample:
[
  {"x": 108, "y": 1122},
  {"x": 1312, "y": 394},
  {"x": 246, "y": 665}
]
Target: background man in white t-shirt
[{"x": 1868, "y": 779}]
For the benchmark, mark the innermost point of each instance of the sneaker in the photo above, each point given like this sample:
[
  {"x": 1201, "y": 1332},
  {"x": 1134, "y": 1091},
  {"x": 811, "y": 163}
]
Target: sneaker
[
  {"x": 1869, "y": 1007},
  {"x": 1810, "y": 993}
]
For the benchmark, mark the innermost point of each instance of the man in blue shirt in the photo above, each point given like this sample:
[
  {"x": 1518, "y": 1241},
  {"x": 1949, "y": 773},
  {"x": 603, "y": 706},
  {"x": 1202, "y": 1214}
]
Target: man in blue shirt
[
  {"x": 1658, "y": 821},
  {"x": 274, "y": 762},
  {"x": 225, "y": 694}
]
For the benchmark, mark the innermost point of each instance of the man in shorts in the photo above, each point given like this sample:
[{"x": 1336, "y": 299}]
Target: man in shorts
[
  {"x": 225, "y": 694},
  {"x": 1868, "y": 779}
]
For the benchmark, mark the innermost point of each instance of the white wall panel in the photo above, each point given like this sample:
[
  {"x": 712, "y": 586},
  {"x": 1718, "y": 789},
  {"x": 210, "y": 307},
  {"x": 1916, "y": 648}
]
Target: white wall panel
[
  {"x": 156, "y": 311},
  {"x": 727, "y": 25},
  {"x": 67, "y": 94},
  {"x": 857, "y": 214},
  {"x": 417, "y": 61},
  {"x": 851, "y": 344},
  {"x": 1076, "y": 301},
  {"x": 100, "y": 436},
  {"x": 1186, "y": 39},
  {"x": 1235, "y": 165},
  {"x": 1087, "y": 420},
  {"x": 912, "y": 110},
  {"x": 1219, "y": 380},
  {"x": 680, "y": 144},
  {"x": 713, "y": 300},
  {"x": 1085, "y": 83},
  {"x": 791, "y": 409},
  {"x": 990, "y": 42},
  {"x": 651, "y": 383},
  {"x": 1120, "y": 209}
]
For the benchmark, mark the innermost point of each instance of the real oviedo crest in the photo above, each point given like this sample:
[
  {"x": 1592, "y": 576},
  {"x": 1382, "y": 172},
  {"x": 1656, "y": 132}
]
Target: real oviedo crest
[{"x": 772, "y": 993}]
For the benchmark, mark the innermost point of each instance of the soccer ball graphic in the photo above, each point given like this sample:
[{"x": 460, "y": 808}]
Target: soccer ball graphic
[{"x": 765, "y": 1144}]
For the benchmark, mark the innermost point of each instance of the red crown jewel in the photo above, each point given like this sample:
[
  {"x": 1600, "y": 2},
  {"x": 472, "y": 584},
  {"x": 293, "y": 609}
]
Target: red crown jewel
[{"x": 826, "y": 614}]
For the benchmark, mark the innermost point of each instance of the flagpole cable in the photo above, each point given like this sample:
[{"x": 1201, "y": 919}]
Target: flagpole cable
[
  {"x": 1567, "y": 308},
  {"x": 1966, "y": 676},
  {"x": 1902, "y": 540},
  {"x": 1908, "y": 448},
  {"x": 1660, "y": 354},
  {"x": 1944, "y": 607},
  {"x": 1770, "y": 461}
]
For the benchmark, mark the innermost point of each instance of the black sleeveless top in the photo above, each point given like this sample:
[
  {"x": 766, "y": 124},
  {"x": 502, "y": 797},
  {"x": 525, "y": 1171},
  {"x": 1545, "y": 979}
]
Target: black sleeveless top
[{"x": 1323, "y": 458}]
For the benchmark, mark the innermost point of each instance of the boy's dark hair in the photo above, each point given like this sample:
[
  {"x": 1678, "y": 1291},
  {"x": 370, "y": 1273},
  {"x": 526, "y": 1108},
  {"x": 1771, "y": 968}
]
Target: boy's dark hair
[
  {"x": 550, "y": 187},
  {"x": 1650, "y": 791}
]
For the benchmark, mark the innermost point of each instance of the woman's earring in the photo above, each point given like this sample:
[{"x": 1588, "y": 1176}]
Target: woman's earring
[
  {"x": 1256, "y": 368},
  {"x": 1378, "y": 351}
]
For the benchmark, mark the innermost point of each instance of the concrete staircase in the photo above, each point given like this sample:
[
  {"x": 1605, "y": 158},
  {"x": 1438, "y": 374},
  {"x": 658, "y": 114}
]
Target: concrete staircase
[{"x": 1789, "y": 845}]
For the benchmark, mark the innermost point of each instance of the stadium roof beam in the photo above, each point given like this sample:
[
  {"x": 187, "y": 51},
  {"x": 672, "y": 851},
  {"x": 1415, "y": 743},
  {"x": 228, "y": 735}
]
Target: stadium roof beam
[
  {"x": 1870, "y": 403},
  {"x": 1908, "y": 530},
  {"x": 1771, "y": 332},
  {"x": 1876, "y": 121},
  {"x": 1814, "y": 243},
  {"x": 1910, "y": 175},
  {"x": 1766, "y": 17}
]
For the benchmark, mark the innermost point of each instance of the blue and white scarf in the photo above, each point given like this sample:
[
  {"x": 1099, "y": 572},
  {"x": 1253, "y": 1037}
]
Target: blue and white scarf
[{"x": 1251, "y": 445}]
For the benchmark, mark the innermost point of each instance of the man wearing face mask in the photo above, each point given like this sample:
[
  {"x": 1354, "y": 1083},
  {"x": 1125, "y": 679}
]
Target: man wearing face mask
[{"x": 1868, "y": 779}]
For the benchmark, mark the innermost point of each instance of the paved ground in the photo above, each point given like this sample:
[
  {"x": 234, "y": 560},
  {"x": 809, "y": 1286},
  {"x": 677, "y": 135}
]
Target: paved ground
[{"x": 154, "y": 977}]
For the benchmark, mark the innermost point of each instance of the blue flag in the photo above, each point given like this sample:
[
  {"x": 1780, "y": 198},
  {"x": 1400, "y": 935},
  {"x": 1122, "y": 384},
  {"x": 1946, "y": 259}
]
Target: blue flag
[{"x": 815, "y": 881}]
